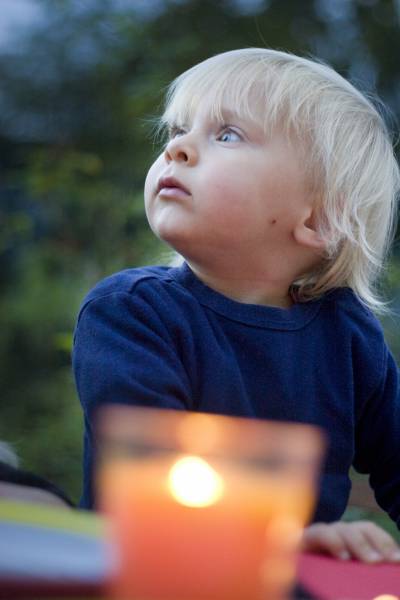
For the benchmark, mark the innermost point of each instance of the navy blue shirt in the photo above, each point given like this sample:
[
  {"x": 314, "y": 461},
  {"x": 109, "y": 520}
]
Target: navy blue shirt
[{"x": 158, "y": 336}]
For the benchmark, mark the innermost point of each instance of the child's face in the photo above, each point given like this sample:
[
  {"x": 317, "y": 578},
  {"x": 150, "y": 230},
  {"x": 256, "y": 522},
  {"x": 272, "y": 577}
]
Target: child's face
[{"x": 225, "y": 189}]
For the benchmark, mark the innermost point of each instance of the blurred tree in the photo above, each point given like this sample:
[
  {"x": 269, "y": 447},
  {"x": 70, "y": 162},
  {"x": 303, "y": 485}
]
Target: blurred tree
[{"x": 79, "y": 94}]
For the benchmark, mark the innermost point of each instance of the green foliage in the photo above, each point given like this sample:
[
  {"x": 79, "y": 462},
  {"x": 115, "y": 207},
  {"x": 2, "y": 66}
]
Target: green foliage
[{"x": 78, "y": 100}]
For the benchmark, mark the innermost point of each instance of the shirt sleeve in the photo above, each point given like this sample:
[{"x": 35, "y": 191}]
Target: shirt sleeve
[
  {"x": 123, "y": 353},
  {"x": 378, "y": 439}
]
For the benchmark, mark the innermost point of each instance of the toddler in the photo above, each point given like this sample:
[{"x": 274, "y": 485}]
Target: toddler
[{"x": 277, "y": 186}]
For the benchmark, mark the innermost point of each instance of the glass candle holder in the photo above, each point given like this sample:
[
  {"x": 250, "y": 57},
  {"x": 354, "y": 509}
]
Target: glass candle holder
[{"x": 204, "y": 507}]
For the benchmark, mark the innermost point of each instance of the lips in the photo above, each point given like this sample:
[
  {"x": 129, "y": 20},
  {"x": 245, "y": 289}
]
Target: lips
[{"x": 171, "y": 187}]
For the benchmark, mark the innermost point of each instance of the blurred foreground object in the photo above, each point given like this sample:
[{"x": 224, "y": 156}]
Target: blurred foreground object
[
  {"x": 48, "y": 552},
  {"x": 24, "y": 486},
  {"x": 202, "y": 506},
  {"x": 57, "y": 553}
]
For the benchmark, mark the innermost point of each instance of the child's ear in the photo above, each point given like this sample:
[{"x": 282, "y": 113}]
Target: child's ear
[{"x": 306, "y": 234}]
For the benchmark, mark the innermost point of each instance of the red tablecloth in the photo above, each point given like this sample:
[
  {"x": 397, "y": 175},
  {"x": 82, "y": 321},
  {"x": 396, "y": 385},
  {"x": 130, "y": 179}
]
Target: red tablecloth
[{"x": 331, "y": 579}]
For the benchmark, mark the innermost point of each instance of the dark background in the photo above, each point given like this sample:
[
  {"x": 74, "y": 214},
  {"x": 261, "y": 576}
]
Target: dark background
[{"x": 80, "y": 85}]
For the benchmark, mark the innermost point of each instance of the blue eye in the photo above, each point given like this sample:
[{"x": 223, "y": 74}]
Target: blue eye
[{"x": 229, "y": 135}]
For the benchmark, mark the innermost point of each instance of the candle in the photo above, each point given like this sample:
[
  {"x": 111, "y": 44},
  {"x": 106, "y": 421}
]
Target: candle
[{"x": 204, "y": 525}]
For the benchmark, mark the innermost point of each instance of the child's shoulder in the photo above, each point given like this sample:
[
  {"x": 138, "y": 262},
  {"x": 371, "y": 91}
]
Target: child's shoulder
[
  {"x": 353, "y": 316},
  {"x": 358, "y": 333},
  {"x": 127, "y": 282}
]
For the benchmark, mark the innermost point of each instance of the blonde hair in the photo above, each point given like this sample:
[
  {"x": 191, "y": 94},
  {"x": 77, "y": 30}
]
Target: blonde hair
[{"x": 347, "y": 151}]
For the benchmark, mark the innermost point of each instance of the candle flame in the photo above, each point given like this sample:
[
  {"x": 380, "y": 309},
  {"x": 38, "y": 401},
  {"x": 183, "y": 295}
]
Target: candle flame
[{"x": 193, "y": 482}]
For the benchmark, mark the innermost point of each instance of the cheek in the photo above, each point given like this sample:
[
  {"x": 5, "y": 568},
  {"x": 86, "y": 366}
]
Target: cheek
[
  {"x": 231, "y": 199},
  {"x": 152, "y": 179},
  {"x": 225, "y": 191}
]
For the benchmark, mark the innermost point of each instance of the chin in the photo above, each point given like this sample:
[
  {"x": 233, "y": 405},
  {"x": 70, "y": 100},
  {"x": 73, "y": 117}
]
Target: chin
[{"x": 180, "y": 241}]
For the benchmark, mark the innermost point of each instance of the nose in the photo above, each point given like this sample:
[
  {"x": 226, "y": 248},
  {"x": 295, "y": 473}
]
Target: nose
[{"x": 182, "y": 149}]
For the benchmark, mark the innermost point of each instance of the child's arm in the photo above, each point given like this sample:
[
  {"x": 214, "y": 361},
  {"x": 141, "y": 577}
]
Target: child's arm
[
  {"x": 362, "y": 540},
  {"x": 377, "y": 418},
  {"x": 125, "y": 354}
]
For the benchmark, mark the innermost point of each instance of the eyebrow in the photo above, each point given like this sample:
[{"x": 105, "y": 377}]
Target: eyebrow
[
  {"x": 233, "y": 115},
  {"x": 229, "y": 114},
  {"x": 226, "y": 113},
  {"x": 228, "y": 117},
  {"x": 248, "y": 122}
]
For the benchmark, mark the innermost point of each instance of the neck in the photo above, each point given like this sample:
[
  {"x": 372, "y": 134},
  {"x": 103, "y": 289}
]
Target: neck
[{"x": 245, "y": 288}]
